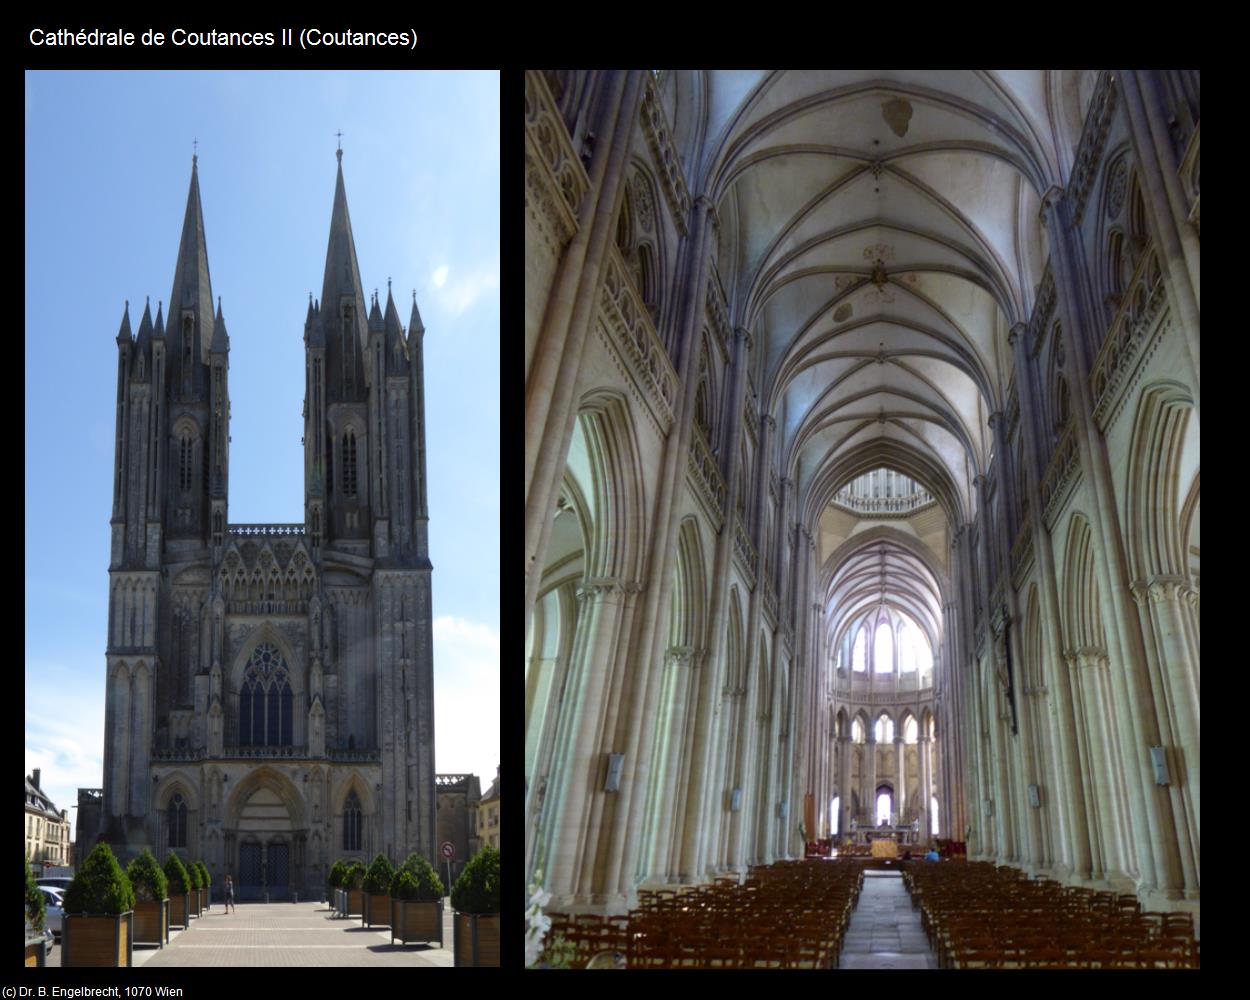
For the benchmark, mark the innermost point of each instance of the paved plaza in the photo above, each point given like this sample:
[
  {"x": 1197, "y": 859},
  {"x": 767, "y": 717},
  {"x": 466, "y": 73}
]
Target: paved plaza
[{"x": 286, "y": 934}]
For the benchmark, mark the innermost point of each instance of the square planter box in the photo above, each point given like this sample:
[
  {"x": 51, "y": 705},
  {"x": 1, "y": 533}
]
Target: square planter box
[
  {"x": 355, "y": 903},
  {"x": 339, "y": 902},
  {"x": 152, "y": 922},
  {"x": 194, "y": 897},
  {"x": 98, "y": 941},
  {"x": 204, "y": 894},
  {"x": 416, "y": 920},
  {"x": 476, "y": 939},
  {"x": 180, "y": 910},
  {"x": 36, "y": 952},
  {"x": 377, "y": 910}
]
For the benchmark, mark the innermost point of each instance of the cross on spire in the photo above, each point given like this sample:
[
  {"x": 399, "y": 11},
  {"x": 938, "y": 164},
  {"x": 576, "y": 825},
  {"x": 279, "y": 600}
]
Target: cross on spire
[
  {"x": 195, "y": 149},
  {"x": 339, "y": 154}
]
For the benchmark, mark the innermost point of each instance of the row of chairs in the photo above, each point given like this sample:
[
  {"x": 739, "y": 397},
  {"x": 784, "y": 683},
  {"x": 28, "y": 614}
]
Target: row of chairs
[
  {"x": 981, "y": 916},
  {"x": 784, "y": 916}
]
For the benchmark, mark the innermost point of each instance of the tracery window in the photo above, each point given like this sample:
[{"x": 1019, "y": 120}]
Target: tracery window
[
  {"x": 859, "y": 655},
  {"x": 857, "y": 731},
  {"x": 184, "y": 462},
  {"x": 266, "y": 702},
  {"x": 351, "y": 823},
  {"x": 885, "y": 729},
  {"x": 911, "y": 731},
  {"x": 176, "y": 821},
  {"x": 883, "y": 806},
  {"x": 349, "y": 464}
]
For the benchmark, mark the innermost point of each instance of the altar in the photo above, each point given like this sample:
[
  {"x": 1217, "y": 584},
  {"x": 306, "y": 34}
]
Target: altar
[{"x": 904, "y": 835}]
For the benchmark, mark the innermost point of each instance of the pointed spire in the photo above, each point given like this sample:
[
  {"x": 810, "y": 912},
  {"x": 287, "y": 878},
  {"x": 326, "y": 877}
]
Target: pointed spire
[
  {"x": 145, "y": 326},
  {"x": 123, "y": 334},
  {"x": 396, "y": 349},
  {"x": 221, "y": 339},
  {"x": 342, "y": 273},
  {"x": 375, "y": 316},
  {"x": 415, "y": 326},
  {"x": 309, "y": 318},
  {"x": 192, "y": 287},
  {"x": 159, "y": 332}
]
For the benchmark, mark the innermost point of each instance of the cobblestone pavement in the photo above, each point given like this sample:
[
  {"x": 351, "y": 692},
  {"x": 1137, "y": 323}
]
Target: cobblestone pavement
[{"x": 285, "y": 934}]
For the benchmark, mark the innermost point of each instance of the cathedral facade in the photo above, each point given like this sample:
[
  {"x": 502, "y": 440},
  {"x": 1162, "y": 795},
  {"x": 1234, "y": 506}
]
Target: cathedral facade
[{"x": 269, "y": 701}]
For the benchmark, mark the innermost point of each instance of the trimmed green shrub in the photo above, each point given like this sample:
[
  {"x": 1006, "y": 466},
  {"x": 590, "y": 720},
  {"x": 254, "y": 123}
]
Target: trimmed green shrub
[
  {"x": 205, "y": 879},
  {"x": 100, "y": 887},
  {"x": 378, "y": 877},
  {"x": 179, "y": 878},
  {"x": 338, "y": 873},
  {"x": 194, "y": 874},
  {"x": 146, "y": 878},
  {"x": 477, "y": 888},
  {"x": 416, "y": 879},
  {"x": 354, "y": 877},
  {"x": 34, "y": 900}
]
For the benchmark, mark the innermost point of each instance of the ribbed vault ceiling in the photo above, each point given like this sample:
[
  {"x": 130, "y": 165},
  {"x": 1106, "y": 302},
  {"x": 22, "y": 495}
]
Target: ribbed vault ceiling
[{"x": 879, "y": 236}]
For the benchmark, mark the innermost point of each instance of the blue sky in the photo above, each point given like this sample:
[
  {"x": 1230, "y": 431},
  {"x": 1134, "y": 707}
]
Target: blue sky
[{"x": 108, "y": 164}]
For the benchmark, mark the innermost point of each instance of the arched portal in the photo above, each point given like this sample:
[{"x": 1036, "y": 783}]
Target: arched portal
[{"x": 265, "y": 835}]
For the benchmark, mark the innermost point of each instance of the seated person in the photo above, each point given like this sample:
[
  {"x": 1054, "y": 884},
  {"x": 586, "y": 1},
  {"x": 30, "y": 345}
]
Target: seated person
[{"x": 933, "y": 854}]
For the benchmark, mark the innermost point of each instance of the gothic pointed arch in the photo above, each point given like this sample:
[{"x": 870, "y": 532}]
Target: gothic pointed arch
[
  {"x": 617, "y": 546},
  {"x": 266, "y": 694},
  {"x": 272, "y": 779},
  {"x": 1156, "y": 545}
]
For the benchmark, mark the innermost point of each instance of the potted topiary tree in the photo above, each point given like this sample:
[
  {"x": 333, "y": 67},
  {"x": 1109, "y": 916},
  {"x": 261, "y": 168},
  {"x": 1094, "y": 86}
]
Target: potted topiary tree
[
  {"x": 98, "y": 925},
  {"x": 193, "y": 875},
  {"x": 416, "y": 902},
  {"x": 205, "y": 884},
  {"x": 179, "y": 891},
  {"x": 352, "y": 881},
  {"x": 377, "y": 888},
  {"x": 151, "y": 899},
  {"x": 338, "y": 898},
  {"x": 36, "y": 939},
  {"x": 475, "y": 898}
]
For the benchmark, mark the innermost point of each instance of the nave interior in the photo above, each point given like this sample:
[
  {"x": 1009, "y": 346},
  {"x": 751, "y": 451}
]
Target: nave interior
[{"x": 862, "y": 485}]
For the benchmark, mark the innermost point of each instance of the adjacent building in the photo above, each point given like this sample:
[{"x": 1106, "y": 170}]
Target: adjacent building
[{"x": 47, "y": 828}]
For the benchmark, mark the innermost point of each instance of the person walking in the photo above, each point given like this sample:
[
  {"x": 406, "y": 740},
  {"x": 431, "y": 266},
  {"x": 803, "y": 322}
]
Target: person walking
[{"x": 230, "y": 895}]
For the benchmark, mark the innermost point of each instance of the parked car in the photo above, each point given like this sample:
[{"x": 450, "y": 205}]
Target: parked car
[
  {"x": 55, "y": 881},
  {"x": 53, "y": 911}
]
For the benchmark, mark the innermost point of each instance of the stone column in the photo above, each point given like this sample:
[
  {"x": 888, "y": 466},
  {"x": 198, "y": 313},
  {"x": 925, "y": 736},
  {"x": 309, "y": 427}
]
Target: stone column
[
  {"x": 550, "y": 403},
  {"x": 926, "y": 789},
  {"x": 579, "y": 759},
  {"x": 1068, "y": 778},
  {"x": 868, "y": 801},
  {"x": 1159, "y": 602},
  {"x": 1095, "y": 787},
  {"x": 1154, "y": 827},
  {"x": 845, "y": 749},
  {"x": 900, "y": 779},
  {"x": 1180, "y": 251},
  {"x": 651, "y": 636},
  {"x": 680, "y": 663}
]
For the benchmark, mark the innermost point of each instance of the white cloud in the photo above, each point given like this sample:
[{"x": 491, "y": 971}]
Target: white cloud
[
  {"x": 455, "y": 292},
  {"x": 466, "y": 698}
]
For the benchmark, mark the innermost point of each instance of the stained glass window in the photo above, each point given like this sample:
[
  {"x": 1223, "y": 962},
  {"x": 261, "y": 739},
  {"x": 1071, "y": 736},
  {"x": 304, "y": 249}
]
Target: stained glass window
[
  {"x": 184, "y": 464},
  {"x": 265, "y": 701},
  {"x": 883, "y": 649},
  {"x": 349, "y": 464},
  {"x": 859, "y": 655},
  {"x": 176, "y": 819},
  {"x": 351, "y": 823}
]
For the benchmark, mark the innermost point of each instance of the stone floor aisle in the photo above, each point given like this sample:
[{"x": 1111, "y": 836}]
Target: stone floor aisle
[{"x": 885, "y": 932}]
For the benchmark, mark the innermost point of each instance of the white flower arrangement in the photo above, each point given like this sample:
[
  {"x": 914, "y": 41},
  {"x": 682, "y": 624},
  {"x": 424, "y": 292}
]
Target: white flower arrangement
[{"x": 537, "y": 922}]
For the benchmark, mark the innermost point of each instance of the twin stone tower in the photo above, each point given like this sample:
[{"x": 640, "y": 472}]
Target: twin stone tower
[{"x": 270, "y": 702}]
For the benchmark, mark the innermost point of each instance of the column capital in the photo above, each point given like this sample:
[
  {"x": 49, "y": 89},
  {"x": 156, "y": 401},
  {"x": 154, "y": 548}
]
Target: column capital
[
  {"x": 817, "y": 607},
  {"x": 1050, "y": 198},
  {"x": 1160, "y": 588},
  {"x": 978, "y": 481},
  {"x": 767, "y": 421},
  {"x": 1017, "y": 332},
  {"x": 995, "y": 419},
  {"x": 607, "y": 587}
]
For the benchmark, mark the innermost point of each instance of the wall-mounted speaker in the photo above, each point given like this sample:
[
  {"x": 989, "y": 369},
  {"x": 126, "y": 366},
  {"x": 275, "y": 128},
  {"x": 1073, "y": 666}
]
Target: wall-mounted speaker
[
  {"x": 989, "y": 807},
  {"x": 613, "y": 782},
  {"x": 735, "y": 800},
  {"x": 1035, "y": 796},
  {"x": 1159, "y": 761}
]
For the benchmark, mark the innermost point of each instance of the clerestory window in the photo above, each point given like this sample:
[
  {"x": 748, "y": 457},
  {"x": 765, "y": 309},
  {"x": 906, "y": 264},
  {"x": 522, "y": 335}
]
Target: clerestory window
[
  {"x": 349, "y": 464},
  {"x": 351, "y": 823},
  {"x": 176, "y": 821}
]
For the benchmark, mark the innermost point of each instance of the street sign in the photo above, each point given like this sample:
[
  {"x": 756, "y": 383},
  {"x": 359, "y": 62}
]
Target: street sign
[{"x": 448, "y": 850}]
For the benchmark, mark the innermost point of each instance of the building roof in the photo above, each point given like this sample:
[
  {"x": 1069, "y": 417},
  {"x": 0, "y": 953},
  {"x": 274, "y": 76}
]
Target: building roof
[{"x": 37, "y": 802}]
